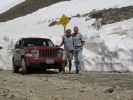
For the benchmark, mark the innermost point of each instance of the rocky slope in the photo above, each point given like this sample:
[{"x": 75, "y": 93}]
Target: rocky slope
[
  {"x": 113, "y": 15},
  {"x": 27, "y": 7}
]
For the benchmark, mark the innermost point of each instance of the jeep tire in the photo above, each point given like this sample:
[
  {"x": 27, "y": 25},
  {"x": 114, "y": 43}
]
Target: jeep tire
[
  {"x": 62, "y": 69},
  {"x": 15, "y": 68},
  {"x": 24, "y": 69}
]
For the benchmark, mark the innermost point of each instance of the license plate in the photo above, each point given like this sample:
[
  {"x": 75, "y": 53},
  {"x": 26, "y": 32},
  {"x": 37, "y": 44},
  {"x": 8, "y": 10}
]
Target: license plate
[{"x": 49, "y": 61}]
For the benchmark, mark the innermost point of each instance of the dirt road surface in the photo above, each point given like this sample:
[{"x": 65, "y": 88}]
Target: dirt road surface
[{"x": 54, "y": 86}]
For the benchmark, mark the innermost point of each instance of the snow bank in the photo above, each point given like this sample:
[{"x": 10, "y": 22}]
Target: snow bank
[{"x": 101, "y": 46}]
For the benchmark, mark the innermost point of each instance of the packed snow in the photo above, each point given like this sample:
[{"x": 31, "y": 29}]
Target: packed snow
[
  {"x": 7, "y": 4},
  {"x": 109, "y": 49}
]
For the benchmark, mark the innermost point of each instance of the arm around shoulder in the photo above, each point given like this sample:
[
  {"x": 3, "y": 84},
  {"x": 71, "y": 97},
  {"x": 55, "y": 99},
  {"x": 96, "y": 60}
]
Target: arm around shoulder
[
  {"x": 62, "y": 42},
  {"x": 82, "y": 39}
]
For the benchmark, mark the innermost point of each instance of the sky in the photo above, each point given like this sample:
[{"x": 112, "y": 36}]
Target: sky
[
  {"x": 4, "y": 4},
  {"x": 7, "y": 4}
]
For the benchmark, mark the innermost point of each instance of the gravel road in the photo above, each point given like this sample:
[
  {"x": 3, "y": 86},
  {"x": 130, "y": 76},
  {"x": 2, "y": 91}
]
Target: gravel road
[{"x": 56, "y": 86}]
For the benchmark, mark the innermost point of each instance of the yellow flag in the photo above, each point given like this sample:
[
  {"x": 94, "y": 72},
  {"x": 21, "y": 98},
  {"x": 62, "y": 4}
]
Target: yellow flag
[{"x": 64, "y": 20}]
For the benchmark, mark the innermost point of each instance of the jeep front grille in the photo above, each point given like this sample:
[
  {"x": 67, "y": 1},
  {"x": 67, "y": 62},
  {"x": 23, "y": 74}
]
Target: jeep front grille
[{"x": 48, "y": 53}]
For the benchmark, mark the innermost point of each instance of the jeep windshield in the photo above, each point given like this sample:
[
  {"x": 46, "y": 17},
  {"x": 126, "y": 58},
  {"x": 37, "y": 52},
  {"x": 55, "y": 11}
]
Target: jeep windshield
[{"x": 29, "y": 42}]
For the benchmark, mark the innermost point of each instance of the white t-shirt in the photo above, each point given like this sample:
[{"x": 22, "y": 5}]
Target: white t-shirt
[
  {"x": 77, "y": 40},
  {"x": 68, "y": 43}
]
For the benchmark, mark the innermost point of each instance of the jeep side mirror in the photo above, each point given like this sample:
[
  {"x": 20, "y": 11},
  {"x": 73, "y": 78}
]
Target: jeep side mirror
[
  {"x": 56, "y": 45},
  {"x": 17, "y": 46},
  {"x": 1, "y": 47}
]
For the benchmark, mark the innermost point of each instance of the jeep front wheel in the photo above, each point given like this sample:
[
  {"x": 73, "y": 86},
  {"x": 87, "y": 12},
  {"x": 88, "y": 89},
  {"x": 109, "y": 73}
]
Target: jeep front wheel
[
  {"x": 15, "y": 67},
  {"x": 24, "y": 66},
  {"x": 62, "y": 69}
]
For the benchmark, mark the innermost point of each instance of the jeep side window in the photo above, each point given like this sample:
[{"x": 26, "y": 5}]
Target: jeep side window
[{"x": 18, "y": 44}]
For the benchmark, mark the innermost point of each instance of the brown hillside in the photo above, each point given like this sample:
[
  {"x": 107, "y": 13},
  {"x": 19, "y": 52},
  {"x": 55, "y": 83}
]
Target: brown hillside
[{"x": 27, "y": 7}]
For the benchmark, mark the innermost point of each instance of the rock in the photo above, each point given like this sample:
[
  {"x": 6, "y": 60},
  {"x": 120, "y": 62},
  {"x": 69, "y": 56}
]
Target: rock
[
  {"x": 56, "y": 98},
  {"x": 4, "y": 92},
  {"x": 82, "y": 91},
  {"x": 12, "y": 96},
  {"x": 4, "y": 80},
  {"x": 109, "y": 90}
]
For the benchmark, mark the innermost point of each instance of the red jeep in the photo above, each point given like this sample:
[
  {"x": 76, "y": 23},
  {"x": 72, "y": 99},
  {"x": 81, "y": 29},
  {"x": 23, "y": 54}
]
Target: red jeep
[{"x": 37, "y": 52}]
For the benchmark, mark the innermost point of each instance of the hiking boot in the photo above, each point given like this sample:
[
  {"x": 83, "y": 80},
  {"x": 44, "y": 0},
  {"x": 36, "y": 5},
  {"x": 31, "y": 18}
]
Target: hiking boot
[{"x": 77, "y": 71}]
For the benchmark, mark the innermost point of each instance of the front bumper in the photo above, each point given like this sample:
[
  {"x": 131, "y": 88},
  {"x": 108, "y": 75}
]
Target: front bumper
[{"x": 45, "y": 61}]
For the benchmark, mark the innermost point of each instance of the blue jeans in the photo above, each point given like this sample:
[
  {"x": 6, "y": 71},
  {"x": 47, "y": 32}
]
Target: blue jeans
[{"x": 77, "y": 57}]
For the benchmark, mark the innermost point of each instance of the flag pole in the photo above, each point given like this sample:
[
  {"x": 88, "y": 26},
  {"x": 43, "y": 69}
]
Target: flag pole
[{"x": 64, "y": 29}]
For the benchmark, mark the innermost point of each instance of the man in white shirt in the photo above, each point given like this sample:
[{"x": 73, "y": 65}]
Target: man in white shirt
[{"x": 78, "y": 43}]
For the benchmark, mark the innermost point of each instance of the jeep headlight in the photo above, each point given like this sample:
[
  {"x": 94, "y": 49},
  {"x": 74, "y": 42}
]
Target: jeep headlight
[
  {"x": 35, "y": 53},
  {"x": 60, "y": 53}
]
